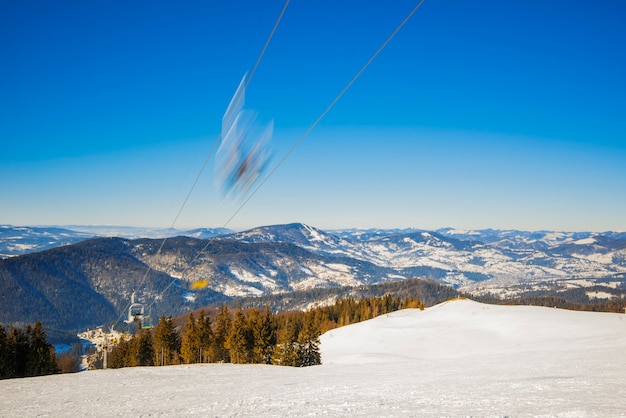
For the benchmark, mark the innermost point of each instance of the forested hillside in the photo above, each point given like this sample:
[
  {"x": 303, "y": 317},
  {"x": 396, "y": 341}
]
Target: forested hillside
[
  {"x": 428, "y": 292},
  {"x": 247, "y": 336},
  {"x": 82, "y": 285}
]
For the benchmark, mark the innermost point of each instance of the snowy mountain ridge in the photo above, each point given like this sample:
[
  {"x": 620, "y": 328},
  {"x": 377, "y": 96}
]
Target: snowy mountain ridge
[
  {"x": 456, "y": 257},
  {"x": 464, "y": 257},
  {"x": 19, "y": 240},
  {"x": 276, "y": 259}
]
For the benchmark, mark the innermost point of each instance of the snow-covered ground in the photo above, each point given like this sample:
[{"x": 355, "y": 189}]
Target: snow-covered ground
[{"x": 460, "y": 358}]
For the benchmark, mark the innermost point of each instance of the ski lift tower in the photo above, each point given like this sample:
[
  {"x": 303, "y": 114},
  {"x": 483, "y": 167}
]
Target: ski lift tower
[{"x": 136, "y": 313}]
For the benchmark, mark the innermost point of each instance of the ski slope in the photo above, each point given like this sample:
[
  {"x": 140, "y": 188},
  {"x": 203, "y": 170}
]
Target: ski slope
[{"x": 459, "y": 358}]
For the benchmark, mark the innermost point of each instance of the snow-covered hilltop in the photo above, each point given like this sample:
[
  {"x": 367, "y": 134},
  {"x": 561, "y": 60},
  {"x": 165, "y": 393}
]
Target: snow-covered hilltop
[{"x": 460, "y": 358}]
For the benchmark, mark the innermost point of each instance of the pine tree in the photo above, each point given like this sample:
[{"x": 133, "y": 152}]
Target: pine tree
[
  {"x": 238, "y": 340},
  {"x": 17, "y": 340},
  {"x": 308, "y": 342},
  {"x": 387, "y": 304},
  {"x": 286, "y": 353},
  {"x": 41, "y": 360},
  {"x": 166, "y": 342},
  {"x": 119, "y": 355},
  {"x": 26, "y": 352},
  {"x": 132, "y": 353},
  {"x": 219, "y": 349},
  {"x": 205, "y": 337},
  {"x": 145, "y": 348},
  {"x": 264, "y": 334},
  {"x": 190, "y": 342},
  {"x": 346, "y": 310},
  {"x": 4, "y": 354}
]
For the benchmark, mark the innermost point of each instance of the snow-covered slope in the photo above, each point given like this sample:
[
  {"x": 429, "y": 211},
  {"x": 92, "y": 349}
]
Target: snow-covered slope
[
  {"x": 467, "y": 329},
  {"x": 460, "y": 358}
]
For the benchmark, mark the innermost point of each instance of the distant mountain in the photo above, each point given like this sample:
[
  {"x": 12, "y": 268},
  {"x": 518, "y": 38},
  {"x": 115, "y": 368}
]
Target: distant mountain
[
  {"x": 133, "y": 232},
  {"x": 598, "y": 245},
  {"x": 91, "y": 282},
  {"x": 449, "y": 256},
  {"x": 304, "y": 236},
  {"x": 203, "y": 233},
  {"x": 356, "y": 234},
  {"x": 19, "y": 240},
  {"x": 514, "y": 238}
]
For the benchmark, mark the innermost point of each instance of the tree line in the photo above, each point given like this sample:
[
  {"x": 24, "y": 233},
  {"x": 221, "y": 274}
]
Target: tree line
[
  {"x": 552, "y": 301},
  {"x": 428, "y": 291},
  {"x": 250, "y": 336},
  {"x": 25, "y": 352}
]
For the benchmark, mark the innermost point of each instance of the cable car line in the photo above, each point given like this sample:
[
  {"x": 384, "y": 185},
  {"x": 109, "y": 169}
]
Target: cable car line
[
  {"x": 303, "y": 137},
  {"x": 208, "y": 158},
  {"x": 328, "y": 108}
]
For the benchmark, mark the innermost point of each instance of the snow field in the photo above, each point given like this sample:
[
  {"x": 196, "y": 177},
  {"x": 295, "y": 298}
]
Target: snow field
[{"x": 460, "y": 358}]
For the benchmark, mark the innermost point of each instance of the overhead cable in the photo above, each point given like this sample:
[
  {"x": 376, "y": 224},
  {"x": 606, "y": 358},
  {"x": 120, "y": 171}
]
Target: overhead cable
[{"x": 210, "y": 154}]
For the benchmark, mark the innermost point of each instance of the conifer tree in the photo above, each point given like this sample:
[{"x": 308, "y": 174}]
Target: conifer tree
[
  {"x": 286, "y": 353},
  {"x": 387, "y": 304},
  {"x": 220, "y": 336},
  {"x": 375, "y": 308},
  {"x": 4, "y": 354},
  {"x": 346, "y": 312},
  {"x": 145, "y": 348},
  {"x": 190, "y": 342},
  {"x": 119, "y": 355},
  {"x": 166, "y": 342},
  {"x": 308, "y": 342},
  {"x": 264, "y": 334},
  {"x": 26, "y": 352},
  {"x": 132, "y": 354},
  {"x": 205, "y": 337},
  {"x": 18, "y": 351},
  {"x": 41, "y": 360},
  {"x": 237, "y": 341},
  {"x": 252, "y": 319}
]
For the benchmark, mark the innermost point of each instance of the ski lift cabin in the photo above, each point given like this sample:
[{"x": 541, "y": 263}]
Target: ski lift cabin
[{"x": 136, "y": 313}]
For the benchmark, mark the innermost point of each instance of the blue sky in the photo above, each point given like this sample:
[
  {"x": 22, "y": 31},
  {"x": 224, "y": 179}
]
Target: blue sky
[{"x": 476, "y": 115}]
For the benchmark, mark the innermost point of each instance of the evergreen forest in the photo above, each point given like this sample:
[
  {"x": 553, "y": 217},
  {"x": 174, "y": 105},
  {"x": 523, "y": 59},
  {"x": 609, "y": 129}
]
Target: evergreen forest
[
  {"x": 25, "y": 352},
  {"x": 250, "y": 336}
]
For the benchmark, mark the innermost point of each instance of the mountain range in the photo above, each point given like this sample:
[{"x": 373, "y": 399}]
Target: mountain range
[
  {"x": 19, "y": 240},
  {"x": 82, "y": 282}
]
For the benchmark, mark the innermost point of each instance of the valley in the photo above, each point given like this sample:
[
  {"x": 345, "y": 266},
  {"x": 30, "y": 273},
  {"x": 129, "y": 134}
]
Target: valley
[{"x": 89, "y": 283}]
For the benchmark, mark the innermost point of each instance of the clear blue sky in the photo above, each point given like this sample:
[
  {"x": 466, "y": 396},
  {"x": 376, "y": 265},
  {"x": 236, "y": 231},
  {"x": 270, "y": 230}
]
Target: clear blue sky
[{"x": 477, "y": 114}]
